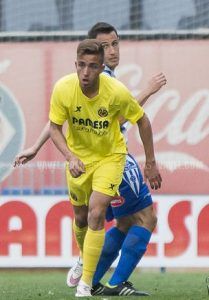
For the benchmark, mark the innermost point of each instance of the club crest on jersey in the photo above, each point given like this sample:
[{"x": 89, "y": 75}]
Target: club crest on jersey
[
  {"x": 102, "y": 112},
  {"x": 117, "y": 201}
]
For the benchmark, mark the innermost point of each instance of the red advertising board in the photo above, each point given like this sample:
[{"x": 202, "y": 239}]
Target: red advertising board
[
  {"x": 179, "y": 112},
  {"x": 37, "y": 232}
]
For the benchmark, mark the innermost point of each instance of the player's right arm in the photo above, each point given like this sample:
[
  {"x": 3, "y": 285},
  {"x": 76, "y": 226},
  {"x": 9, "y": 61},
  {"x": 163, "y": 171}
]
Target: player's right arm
[
  {"x": 58, "y": 114},
  {"x": 76, "y": 166},
  {"x": 29, "y": 153}
]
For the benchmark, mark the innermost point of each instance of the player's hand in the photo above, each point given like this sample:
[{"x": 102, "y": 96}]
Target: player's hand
[
  {"x": 152, "y": 174},
  {"x": 76, "y": 167},
  {"x": 156, "y": 82},
  {"x": 25, "y": 156}
]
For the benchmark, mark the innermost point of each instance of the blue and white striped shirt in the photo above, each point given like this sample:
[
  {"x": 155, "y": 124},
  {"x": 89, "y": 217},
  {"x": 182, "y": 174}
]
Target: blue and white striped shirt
[{"x": 107, "y": 71}]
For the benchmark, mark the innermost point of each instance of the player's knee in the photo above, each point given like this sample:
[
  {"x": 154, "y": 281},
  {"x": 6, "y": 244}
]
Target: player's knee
[
  {"x": 81, "y": 219},
  {"x": 96, "y": 218},
  {"x": 124, "y": 224},
  {"x": 147, "y": 218},
  {"x": 149, "y": 221},
  {"x": 153, "y": 222}
]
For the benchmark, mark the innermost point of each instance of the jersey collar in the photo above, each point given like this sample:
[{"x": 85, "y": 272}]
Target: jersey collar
[{"x": 108, "y": 71}]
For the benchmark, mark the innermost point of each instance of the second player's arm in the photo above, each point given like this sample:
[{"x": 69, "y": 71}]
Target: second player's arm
[
  {"x": 29, "y": 153},
  {"x": 76, "y": 166},
  {"x": 151, "y": 171},
  {"x": 153, "y": 86}
]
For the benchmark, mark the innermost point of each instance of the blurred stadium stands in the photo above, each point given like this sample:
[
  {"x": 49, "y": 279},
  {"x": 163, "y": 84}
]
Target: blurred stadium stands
[
  {"x": 59, "y": 15},
  {"x": 39, "y": 178}
]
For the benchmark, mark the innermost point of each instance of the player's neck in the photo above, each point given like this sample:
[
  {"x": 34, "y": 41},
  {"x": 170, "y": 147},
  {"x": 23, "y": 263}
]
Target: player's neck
[
  {"x": 92, "y": 91},
  {"x": 111, "y": 68}
]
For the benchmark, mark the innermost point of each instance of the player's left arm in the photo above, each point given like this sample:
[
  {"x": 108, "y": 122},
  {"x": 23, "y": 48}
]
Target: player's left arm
[
  {"x": 153, "y": 86},
  {"x": 151, "y": 172},
  {"x": 28, "y": 154}
]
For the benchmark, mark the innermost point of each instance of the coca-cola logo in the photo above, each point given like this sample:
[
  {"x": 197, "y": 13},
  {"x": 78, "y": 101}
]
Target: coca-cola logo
[
  {"x": 186, "y": 128},
  {"x": 180, "y": 126}
]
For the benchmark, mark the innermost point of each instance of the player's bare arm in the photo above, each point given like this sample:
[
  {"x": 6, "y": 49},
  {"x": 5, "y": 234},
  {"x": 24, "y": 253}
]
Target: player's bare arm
[
  {"x": 76, "y": 166},
  {"x": 29, "y": 153},
  {"x": 153, "y": 86},
  {"x": 151, "y": 172}
]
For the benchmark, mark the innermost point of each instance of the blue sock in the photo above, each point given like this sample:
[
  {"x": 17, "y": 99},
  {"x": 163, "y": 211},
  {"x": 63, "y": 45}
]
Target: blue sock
[
  {"x": 134, "y": 247},
  {"x": 114, "y": 239}
]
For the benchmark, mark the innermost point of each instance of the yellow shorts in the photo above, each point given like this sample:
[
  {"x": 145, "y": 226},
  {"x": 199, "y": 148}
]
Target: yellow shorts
[{"x": 102, "y": 176}]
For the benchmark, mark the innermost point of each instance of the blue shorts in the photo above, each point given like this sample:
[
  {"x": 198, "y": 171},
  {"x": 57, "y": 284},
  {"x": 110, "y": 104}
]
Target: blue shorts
[{"x": 134, "y": 193}]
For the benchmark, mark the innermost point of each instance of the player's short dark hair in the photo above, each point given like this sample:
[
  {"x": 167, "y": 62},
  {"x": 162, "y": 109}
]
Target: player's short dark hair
[
  {"x": 90, "y": 46},
  {"x": 100, "y": 27}
]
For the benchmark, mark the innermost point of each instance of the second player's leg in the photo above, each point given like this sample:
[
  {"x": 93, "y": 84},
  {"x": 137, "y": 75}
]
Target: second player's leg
[
  {"x": 145, "y": 218},
  {"x": 138, "y": 227}
]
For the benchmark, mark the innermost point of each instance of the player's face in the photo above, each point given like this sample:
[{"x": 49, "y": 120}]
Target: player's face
[
  {"x": 89, "y": 66},
  {"x": 110, "y": 43}
]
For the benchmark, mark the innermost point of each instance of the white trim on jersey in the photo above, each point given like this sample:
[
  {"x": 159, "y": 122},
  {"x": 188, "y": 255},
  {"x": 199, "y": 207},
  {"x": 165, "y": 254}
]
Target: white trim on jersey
[
  {"x": 131, "y": 175},
  {"x": 109, "y": 72}
]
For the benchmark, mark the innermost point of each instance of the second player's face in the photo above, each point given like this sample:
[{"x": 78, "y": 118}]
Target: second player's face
[
  {"x": 110, "y": 43},
  {"x": 89, "y": 66}
]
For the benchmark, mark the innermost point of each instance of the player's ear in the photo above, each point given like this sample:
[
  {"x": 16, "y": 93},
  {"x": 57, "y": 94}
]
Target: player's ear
[
  {"x": 102, "y": 67},
  {"x": 76, "y": 64}
]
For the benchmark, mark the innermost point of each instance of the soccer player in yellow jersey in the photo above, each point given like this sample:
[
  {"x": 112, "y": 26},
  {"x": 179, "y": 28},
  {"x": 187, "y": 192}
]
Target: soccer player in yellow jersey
[{"x": 94, "y": 147}]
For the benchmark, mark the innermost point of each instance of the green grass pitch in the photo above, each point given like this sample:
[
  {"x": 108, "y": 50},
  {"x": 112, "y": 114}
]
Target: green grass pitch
[{"x": 50, "y": 284}]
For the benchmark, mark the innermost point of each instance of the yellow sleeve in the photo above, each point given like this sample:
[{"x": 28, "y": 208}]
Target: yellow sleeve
[
  {"x": 130, "y": 108},
  {"x": 58, "y": 112}
]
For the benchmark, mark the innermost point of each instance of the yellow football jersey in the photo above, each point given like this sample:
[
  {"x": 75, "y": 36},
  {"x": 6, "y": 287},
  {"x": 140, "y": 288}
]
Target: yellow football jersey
[{"x": 94, "y": 131}]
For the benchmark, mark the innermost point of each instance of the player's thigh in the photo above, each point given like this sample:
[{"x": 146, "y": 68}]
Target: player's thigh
[
  {"x": 145, "y": 218},
  {"x": 79, "y": 188},
  {"x": 108, "y": 175}
]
